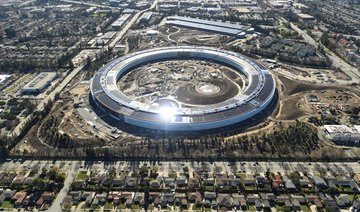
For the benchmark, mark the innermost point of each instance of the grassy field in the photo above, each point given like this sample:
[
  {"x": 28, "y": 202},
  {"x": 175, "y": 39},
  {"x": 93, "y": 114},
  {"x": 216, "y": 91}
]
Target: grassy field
[
  {"x": 82, "y": 175},
  {"x": 18, "y": 81},
  {"x": 6, "y": 204}
]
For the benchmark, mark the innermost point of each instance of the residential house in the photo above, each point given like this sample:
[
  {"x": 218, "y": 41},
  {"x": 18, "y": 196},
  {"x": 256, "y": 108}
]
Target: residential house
[
  {"x": 193, "y": 183},
  {"x": 106, "y": 181},
  {"x": 301, "y": 199},
  {"x": 131, "y": 182},
  {"x": 296, "y": 205},
  {"x": 343, "y": 201},
  {"x": 319, "y": 182},
  {"x": 30, "y": 199},
  {"x": 356, "y": 178},
  {"x": 282, "y": 199},
  {"x": 184, "y": 203},
  {"x": 305, "y": 183},
  {"x": 347, "y": 184},
  {"x": 169, "y": 182},
  {"x": 88, "y": 197},
  {"x": 45, "y": 198},
  {"x": 234, "y": 182},
  {"x": 289, "y": 185},
  {"x": 181, "y": 182},
  {"x": 7, "y": 179},
  {"x": 209, "y": 181},
  {"x": 7, "y": 195},
  {"x": 155, "y": 197},
  {"x": 139, "y": 198},
  {"x": 268, "y": 199},
  {"x": 225, "y": 200},
  {"x": 75, "y": 196},
  {"x": 277, "y": 182},
  {"x": 262, "y": 183},
  {"x": 79, "y": 184},
  {"x": 221, "y": 180},
  {"x": 332, "y": 182},
  {"x": 29, "y": 181},
  {"x": 167, "y": 199},
  {"x": 96, "y": 178},
  {"x": 249, "y": 183},
  {"x": 209, "y": 195},
  {"x": 195, "y": 197},
  {"x": 114, "y": 196},
  {"x": 144, "y": 181},
  {"x": 127, "y": 197},
  {"x": 356, "y": 206},
  {"x": 328, "y": 201},
  {"x": 313, "y": 199},
  {"x": 18, "y": 180},
  {"x": 239, "y": 201},
  {"x": 254, "y": 199},
  {"x": 119, "y": 181},
  {"x": 179, "y": 198},
  {"x": 18, "y": 198},
  {"x": 155, "y": 184}
]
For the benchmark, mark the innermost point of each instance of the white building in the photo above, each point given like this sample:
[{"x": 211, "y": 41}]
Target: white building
[
  {"x": 342, "y": 134},
  {"x": 39, "y": 83}
]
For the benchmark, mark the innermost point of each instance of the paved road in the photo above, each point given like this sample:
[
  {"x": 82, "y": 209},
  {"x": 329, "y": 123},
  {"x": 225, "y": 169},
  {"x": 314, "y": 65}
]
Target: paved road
[
  {"x": 164, "y": 168},
  {"x": 71, "y": 171},
  {"x": 50, "y": 97},
  {"x": 337, "y": 62},
  {"x": 89, "y": 4},
  {"x": 120, "y": 34}
]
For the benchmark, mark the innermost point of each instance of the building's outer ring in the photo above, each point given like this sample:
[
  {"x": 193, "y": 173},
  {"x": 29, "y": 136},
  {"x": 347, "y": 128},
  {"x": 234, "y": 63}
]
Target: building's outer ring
[{"x": 255, "y": 98}]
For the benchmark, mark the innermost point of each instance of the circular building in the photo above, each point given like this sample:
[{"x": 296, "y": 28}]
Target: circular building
[{"x": 179, "y": 112}]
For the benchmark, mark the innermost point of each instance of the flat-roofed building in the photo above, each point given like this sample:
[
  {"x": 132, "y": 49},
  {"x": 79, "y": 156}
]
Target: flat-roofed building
[
  {"x": 120, "y": 21},
  {"x": 305, "y": 17},
  {"x": 342, "y": 134},
  {"x": 145, "y": 18},
  {"x": 39, "y": 83}
]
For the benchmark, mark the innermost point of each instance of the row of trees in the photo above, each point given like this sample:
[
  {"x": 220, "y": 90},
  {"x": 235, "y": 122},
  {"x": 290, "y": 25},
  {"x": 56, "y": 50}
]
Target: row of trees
[
  {"x": 49, "y": 133},
  {"x": 4, "y": 152},
  {"x": 298, "y": 139}
]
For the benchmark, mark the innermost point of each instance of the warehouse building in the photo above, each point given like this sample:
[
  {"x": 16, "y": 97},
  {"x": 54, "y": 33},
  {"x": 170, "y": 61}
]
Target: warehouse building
[
  {"x": 120, "y": 21},
  {"x": 145, "y": 18},
  {"x": 39, "y": 83},
  {"x": 225, "y": 28},
  {"x": 342, "y": 134}
]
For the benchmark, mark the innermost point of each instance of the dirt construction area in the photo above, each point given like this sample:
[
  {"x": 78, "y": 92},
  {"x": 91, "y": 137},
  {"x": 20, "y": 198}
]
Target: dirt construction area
[
  {"x": 187, "y": 82},
  {"x": 301, "y": 99}
]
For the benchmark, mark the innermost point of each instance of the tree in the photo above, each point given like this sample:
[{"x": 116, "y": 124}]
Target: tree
[
  {"x": 4, "y": 152},
  {"x": 10, "y": 33}
]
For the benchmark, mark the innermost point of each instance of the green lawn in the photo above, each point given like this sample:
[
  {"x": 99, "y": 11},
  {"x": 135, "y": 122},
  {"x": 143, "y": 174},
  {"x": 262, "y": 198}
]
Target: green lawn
[
  {"x": 207, "y": 209},
  {"x": 7, "y": 204},
  {"x": 196, "y": 208},
  {"x": 241, "y": 175},
  {"x": 250, "y": 188},
  {"x": 108, "y": 206},
  {"x": 352, "y": 197},
  {"x": 252, "y": 208},
  {"x": 122, "y": 206},
  {"x": 305, "y": 208},
  {"x": 135, "y": 207},
  {"x": 150, "y": 207},
  {"x": 81, "y": 175},
  {"x": 210, "y": 188},
  {"x": 18, "y": 81},
  {"x": 347, "y": 189},
  {"x": 283, "y": 208}
]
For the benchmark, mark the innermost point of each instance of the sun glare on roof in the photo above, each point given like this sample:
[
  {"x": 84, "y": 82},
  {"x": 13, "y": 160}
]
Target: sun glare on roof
[{"x": 167, "y": 113}]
